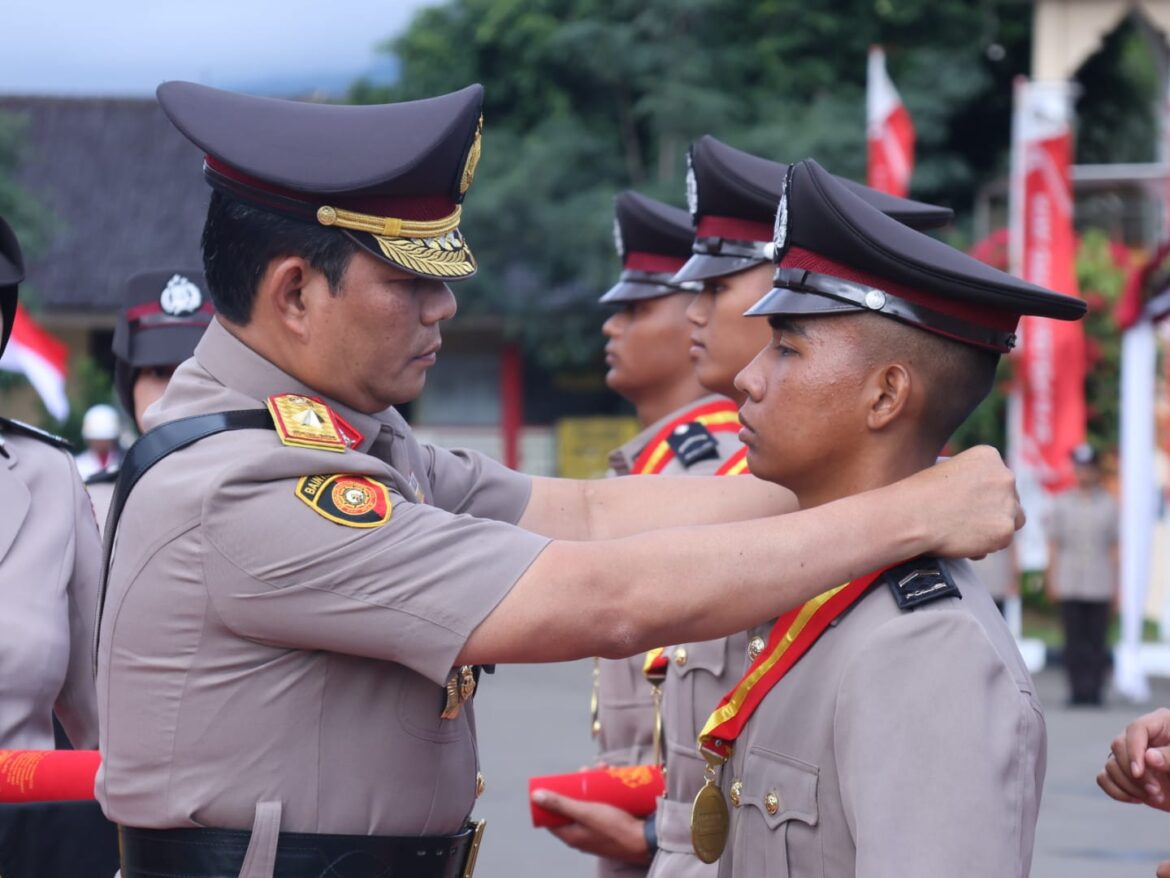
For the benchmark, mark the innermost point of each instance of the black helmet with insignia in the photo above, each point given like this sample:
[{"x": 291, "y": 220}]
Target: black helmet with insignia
[
  {"x": 732, "y": 197},
  {"x": 653, "y": 240},
  {"x": 11, "y": 274},
  {"x": 163, "y": 317},
  {"x": 838, "y": 254},
  {"x": 392, "y": 177}
]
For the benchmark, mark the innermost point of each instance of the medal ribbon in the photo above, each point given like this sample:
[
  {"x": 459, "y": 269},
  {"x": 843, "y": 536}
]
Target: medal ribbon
[
  {"x": 721, "y": 416},
  {"x": 791, "y": 637}
]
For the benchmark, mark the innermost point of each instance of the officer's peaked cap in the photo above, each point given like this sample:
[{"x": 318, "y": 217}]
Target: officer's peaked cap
[
  {"x": 653, "y": 240},
  {"x": 390, "y": 176},
  {"x": 838, "y": 254}
]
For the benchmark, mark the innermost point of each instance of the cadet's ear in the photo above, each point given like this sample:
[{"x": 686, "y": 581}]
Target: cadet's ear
[
  {"x": 280, "y": 295},
  {"x": 891, "y": 385}
]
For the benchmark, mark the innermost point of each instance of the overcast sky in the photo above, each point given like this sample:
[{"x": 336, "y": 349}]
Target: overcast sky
[{"x": 127, "y": 47}]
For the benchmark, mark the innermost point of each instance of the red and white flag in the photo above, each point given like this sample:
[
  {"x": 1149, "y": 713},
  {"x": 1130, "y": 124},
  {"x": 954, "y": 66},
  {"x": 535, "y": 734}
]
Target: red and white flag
[
  {"x": 889, "y": 131},
  {"x": 42, "y": 359},
  {"x": 1051, "y": 365}
]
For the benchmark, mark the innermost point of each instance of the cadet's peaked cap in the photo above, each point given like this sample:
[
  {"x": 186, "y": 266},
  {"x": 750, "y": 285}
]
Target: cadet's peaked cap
[
  {"x": 11, "y": 274},
  {"x": 837, "y": 254},
  {"x": 163, "y": 316},
  {"x": 390, "y": 176},
  {"x": 653, "y": 240},
  {"x": 732, "y": 195}
]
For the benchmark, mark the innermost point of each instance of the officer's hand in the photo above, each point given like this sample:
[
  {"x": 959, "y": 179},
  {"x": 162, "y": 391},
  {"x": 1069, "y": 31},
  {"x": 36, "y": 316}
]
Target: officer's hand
[
  {"x": 1138, "y": 767},
  {"x": 970, "y": 503},
  {"x": 597, "y": 828},
  {"x": 1163, "y": 870}
]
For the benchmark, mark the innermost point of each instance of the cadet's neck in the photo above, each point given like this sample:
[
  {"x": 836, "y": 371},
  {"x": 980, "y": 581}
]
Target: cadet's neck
[
  {"x": 652, "y": 404},
  {"x": 881, "y": 463}
]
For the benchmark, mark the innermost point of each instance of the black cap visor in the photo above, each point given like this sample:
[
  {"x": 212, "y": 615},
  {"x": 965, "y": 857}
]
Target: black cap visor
[
  {"x": 638, "y": 286},
  {"x": 703, "y": 267}
]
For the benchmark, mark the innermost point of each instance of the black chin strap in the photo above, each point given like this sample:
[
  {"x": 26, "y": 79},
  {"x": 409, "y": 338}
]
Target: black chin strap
[{"x": 149, "y": 450}]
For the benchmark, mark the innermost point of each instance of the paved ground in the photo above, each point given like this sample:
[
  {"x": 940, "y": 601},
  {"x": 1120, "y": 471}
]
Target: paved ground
[{"x": 534, "y": 720}]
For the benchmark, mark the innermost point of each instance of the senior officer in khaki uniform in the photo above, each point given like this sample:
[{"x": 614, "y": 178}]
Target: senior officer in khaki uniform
[
  {"x": 299, "y": 591},
  {"x": 889, "y": 726},
  {"x": 164, "y": 314},
  {"x": 694, "y": 675}
]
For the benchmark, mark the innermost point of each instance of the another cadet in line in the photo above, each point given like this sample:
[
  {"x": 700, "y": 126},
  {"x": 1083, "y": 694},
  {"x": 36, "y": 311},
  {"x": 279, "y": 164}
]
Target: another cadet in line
[
  {"x": 301, "y": 591},
  {"x": 889, "y": 726},
  {"x": 163, "y": 315}
]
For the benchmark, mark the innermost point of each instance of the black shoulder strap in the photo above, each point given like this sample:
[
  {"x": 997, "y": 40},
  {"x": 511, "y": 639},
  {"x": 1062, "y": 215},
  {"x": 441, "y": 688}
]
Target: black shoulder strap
[
  {"x": 35, "y": 433},
  {"x": 920, "y": 581},
  {"x": 149, "y": 450}
]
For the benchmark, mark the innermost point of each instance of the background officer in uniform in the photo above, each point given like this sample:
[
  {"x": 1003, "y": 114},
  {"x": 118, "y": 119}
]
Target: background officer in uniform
[
  {"x": 840, "y": 742},
  {"x": 164, "y": 314},
  {"x": 294, "y": 607},
  {"x": 50, "y": 559}
]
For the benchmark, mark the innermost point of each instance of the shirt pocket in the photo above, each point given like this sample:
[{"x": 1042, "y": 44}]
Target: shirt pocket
[
  {"x": 699, "y": 683},
  {"x": 776, "y": 812}
]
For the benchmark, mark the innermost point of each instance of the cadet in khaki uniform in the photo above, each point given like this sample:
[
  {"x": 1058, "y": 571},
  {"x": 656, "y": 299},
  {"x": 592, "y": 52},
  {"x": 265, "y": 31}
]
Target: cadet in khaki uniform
[
  {"x": 737, "y": 186},
  {"x": 887, "y": 727},
  {"x": 164, "y": 315},
  {"x": 50, "y": 558},
  {"x": 300, "y": 592}
]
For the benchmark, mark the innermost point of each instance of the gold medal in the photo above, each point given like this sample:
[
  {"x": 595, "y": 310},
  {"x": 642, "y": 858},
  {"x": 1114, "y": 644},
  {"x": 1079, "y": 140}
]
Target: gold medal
[{"x": 709, "y": 823}]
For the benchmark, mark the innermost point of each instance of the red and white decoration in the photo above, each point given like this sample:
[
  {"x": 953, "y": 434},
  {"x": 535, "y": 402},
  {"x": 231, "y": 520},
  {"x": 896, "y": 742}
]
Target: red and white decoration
[
  {"x": 889, "y": 131},
  {"x": 42, "y": 359}
]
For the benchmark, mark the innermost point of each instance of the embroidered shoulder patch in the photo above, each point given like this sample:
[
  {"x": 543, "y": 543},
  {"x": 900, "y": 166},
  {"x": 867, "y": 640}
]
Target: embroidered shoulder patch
[
  {"x": 692, "y": 442},
  {"x": 306, "y": 422},
  {"x": 355, "y": 501},
  {"x": 920, "y": 581}
]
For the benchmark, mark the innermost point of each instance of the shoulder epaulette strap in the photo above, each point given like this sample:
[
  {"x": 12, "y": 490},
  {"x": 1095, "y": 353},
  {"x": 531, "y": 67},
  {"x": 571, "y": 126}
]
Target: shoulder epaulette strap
[
  {"x": 103, "y": 477},
  {"x": 920, "y": 581},
  {"x": 720, "y": 416},
  {"x": 20, "y": 427},
  {"x": 152, "y": 447}
]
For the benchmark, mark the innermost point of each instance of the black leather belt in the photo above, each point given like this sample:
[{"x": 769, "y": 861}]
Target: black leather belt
[{"x": 219, "y": 853}]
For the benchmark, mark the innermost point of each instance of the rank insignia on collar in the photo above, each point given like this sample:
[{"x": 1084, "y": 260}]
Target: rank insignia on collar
[
  {"x": 306, "y": 422},
  {"x": 352, "y": 500}
]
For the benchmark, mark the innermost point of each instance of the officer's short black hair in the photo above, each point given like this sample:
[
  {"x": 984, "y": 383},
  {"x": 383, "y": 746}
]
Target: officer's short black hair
[{"x": 239, "y": 241}]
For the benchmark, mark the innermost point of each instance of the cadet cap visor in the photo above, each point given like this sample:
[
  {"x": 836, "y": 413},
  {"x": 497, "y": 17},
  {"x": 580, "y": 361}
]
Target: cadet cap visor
[
  {"x": 11, "y": 274},
  {"x": 733, "y": 196},
  {"x": 391, "y": 177},
  {"x": 653, "y": 240},
  {"x": 838, "y": 254}
]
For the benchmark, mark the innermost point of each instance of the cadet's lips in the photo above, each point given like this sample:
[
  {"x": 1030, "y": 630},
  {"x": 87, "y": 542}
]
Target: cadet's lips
[
  {"x": 746, "y": 431},
  {"x": 697, "y": 347}
]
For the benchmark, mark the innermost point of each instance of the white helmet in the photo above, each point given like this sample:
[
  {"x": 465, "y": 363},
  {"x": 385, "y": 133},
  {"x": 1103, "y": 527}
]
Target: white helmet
[{"x": 100, "y": 422}]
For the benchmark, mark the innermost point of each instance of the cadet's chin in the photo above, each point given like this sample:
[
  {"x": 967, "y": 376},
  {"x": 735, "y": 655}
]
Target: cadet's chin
[{"x": 764, "y": 465}]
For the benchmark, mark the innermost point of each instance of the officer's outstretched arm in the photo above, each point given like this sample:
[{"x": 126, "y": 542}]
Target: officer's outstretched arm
[
  {"x": 573, "y": 509},
  {"x": 617, "y": 597}
]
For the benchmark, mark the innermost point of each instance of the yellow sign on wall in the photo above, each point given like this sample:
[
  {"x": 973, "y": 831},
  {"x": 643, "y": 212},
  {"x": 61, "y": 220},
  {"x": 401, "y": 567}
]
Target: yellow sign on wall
[{"x": 584, "y": 444}]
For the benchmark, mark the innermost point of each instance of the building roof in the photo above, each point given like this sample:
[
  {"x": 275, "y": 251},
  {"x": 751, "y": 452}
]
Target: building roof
[{"x": 125, "y": 191}]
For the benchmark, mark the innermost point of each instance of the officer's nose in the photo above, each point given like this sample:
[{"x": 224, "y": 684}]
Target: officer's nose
[
  {"x": 750, "y": 380},
  {"x": 700, "y": 307},
  {"x": 612, "y": 328},
  {"x": 439, "y": 304}
]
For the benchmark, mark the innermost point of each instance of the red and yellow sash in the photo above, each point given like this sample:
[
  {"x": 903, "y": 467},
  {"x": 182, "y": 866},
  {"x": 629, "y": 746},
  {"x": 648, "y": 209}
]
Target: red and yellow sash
[
  {"x": 791, "y": 637},
  {"x": 736, "y": 465},
  {"x": 720, "y": 416},
  {"x": 655, "y": 664}
]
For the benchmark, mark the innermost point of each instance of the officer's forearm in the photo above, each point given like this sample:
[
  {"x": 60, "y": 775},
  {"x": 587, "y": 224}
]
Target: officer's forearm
[{"x": 613, "y": 508}]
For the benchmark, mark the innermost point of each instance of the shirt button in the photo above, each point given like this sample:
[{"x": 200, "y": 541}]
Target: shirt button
[
  {"x": 480, "y": 784},
  {"x": 680, "y": 656},
  {"x": 736, "y": 792},
  {"x": 772, "y": 803},
  {"x": 755, "y": 647}
]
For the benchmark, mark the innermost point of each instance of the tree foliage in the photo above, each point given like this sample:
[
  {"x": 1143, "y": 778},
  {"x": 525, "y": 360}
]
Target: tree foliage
[{"x": 585, "y": 98}]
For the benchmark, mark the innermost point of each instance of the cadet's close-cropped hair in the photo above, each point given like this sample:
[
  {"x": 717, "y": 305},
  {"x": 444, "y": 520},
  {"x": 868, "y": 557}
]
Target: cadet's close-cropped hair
[{"x": 239, "y": 241}]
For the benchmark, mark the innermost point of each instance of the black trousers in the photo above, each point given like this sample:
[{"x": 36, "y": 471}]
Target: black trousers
[{"x": 1086, "y": 656}]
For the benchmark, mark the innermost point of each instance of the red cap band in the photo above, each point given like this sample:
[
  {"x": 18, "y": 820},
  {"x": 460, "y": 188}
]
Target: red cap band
[
  {"x": 637, "y": 261},
  {"x": 733, "y": 229}
]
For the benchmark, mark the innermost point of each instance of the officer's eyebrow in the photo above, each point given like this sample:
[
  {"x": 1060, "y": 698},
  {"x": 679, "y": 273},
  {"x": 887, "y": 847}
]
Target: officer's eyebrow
[{"x": 787, "y": 327}]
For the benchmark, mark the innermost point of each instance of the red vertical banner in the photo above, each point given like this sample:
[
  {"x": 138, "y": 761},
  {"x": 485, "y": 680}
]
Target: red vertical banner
[
  {"x": 889, "y": 130},
  {"x": 1051, "y": 356}
]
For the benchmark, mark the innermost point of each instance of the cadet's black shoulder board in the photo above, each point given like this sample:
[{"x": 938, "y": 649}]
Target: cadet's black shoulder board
[
  {"x": 692, "y": 442},
  {"x": 919, "y": 582},
  {"x": 106, "y": 476},
  {"x": 7, "y": 425}
]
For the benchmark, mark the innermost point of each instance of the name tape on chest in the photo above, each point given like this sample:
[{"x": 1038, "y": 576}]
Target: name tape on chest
[
  {"x": 306, "y": 422},
  {"x": 354, "y": 501},
  {"x": 919, "y": 582}
]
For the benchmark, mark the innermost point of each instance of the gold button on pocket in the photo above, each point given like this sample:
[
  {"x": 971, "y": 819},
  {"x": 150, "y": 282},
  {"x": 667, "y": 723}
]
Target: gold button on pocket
[
  {"x": 772, "y": 803},
  {"x": 480, "y": 784},
  {"x": 755, "y": 647},
  {"x": 736, "y": 792},
  {"x": 680, "y": 656}
]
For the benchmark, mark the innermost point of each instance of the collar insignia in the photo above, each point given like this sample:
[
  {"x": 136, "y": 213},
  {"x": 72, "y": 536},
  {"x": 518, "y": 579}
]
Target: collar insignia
[{"x": 306, "y": 422}]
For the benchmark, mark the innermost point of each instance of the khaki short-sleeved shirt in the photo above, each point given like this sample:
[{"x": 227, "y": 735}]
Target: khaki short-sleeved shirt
[
  {"x": 625, "y": 706},
  {"x": 50, "y": 560},
  {"x": 1082, "y": 525},
  {"x": 901, "y": 745},
  {"x": 254, "y": 650}
]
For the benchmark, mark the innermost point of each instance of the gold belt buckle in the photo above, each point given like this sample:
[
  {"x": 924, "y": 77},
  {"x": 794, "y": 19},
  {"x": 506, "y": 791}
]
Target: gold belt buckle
[{"x": 473, "y": 853}]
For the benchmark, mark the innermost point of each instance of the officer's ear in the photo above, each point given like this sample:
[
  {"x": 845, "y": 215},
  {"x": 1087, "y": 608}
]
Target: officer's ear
[
  {"x": 888, "y": 392},
  {"x": 280, "y": 294}
]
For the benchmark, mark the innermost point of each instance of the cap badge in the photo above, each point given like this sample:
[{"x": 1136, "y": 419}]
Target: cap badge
[
  {"x": 780, "y": 226},
  {"x": 351, "y": 500},
  {"x": 692, "y": 189},
  {"x": 180, "y": 297},
  {"x": 875, "y": 300},
  {"x": 617, "y": 239},
  {"x": 473, "y": 155}
]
